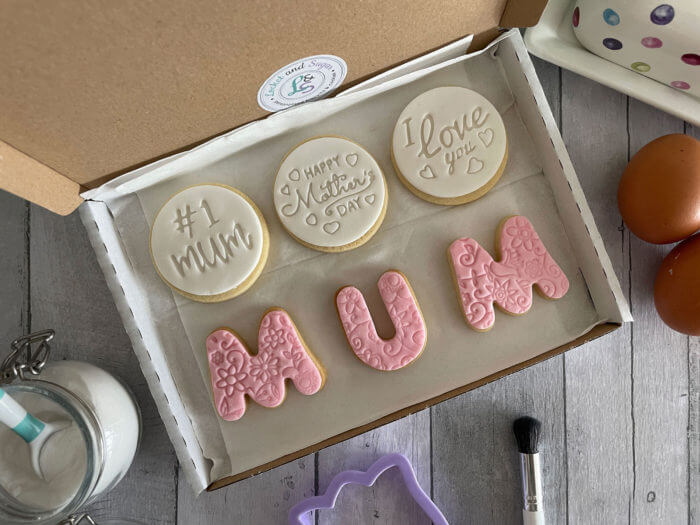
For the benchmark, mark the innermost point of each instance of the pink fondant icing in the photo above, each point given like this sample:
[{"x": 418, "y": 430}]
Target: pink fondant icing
[
  {"x": 524, "y": 262},
  {"x": 281, "y": 355},
  {"x": 382, "y": 354}
]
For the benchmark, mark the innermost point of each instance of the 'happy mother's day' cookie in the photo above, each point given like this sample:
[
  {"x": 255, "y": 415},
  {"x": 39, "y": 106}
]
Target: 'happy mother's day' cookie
[
  {"x": 330, "y": 194},
  {"x": 449, "y": 145},
  {"x": 209, "y": 242}
]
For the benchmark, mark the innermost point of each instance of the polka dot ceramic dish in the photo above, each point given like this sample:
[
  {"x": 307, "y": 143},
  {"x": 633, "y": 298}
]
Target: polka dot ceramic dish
[{"x": 658, "y": 40}]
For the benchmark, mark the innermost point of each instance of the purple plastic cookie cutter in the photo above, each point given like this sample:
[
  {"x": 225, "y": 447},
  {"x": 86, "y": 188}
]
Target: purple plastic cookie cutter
[{"x": 299, "y": 514}]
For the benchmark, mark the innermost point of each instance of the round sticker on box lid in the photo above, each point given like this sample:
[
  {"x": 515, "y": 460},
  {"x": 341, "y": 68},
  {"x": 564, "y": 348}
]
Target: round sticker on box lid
[{"x": 307, "y": 79}]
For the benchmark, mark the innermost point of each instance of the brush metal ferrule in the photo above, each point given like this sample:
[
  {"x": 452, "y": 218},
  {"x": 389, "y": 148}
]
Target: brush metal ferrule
[{"x": 532, "y": 482}]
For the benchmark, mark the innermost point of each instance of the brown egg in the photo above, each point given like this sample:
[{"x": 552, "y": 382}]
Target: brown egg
[
  {"x": 677, "y": 287},
  {"x": 659, "y": 192}
]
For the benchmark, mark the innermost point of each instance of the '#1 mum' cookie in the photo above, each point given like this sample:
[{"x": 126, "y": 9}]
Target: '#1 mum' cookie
[
  {"x": 209, "y": 242},
  {"x": 449, "y": 145},
  {"x": 330, "y": 194}
]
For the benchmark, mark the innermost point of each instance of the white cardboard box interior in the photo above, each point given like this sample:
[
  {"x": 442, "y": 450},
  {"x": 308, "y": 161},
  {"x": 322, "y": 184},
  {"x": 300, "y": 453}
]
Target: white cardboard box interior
[{"x": 168, "y": 331}]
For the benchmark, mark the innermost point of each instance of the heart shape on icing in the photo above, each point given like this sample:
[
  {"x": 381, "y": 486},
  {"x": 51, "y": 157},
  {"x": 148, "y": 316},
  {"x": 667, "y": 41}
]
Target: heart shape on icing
[
  {"x": 294, "y": 175},
  {"x": 427, "y": 172},
  {"x": 284, "y": 190},
  {"x": 369, "y": 199},
  {"x": 486, "y": 137},
  {"x": 475, "y": 165},
  {"x": 351, "y": 159},
  {"x": 311, "y": 219},
  {"x": 331, "y": 227}
]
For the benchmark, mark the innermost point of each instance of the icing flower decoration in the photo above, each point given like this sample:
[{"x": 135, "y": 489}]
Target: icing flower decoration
[
  {"x": 281, "y": 355},
  {"x": 482, "y": 281}
]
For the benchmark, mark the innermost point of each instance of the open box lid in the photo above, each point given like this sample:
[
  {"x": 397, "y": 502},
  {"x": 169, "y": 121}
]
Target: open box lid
[{"x": 92, "y": 89}]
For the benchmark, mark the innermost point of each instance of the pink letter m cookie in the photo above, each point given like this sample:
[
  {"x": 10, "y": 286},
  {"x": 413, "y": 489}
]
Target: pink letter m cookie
[
  {"x": 281, "y": 355},
  {"x": 525, "y": 262}
]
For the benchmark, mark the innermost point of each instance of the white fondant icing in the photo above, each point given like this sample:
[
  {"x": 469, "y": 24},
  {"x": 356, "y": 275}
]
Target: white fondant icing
[
  {"x": 329, "y": 192},
  {"x": 449, "y": 142},
  {"x": 206, "y": 240}
]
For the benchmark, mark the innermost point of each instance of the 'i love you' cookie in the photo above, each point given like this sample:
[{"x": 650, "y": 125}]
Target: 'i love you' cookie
[
  {"x": 209, "y": 242},
  {"x": 330, "y": 194},
  {"x": 449, "y": 145}
]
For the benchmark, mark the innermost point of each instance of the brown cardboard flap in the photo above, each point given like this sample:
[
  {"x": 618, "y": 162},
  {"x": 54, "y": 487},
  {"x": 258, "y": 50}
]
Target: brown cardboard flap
[
  {"x": 94, "y": 88},
  {"x": 522, "y": 14},
  {"x": 32, "y": 180}
]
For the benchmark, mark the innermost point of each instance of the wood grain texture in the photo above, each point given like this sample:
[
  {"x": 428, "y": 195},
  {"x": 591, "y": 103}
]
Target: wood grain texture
[
  {"x": 693, "y": 409},
  {"x": 599, "y": 425},
  {"x": 387, "y": 501},
  {"x": 659, "y": 368},
  {"x": 69, "y": 294},
  {"x": 265, "y": 498},
  {"x": 694, "y": 430},
  {"x": 476, "y": 469},
  {"x": 14, "y": 277}
]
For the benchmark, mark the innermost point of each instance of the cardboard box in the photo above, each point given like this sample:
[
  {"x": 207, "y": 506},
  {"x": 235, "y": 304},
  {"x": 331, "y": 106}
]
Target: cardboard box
[
  {"x": 166, "y": 332},
  {"x": 94, "y": 89}
]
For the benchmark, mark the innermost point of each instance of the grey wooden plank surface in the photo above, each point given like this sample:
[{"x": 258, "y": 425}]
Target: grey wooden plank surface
[
  {"x": 693, "y": 409},
  {"x": 69, "y": 294},
  {"x": 621, "y": 415},
  {"x": 476, "y": 470},
  {"x": 694, "y": 429},
  {"x": 598, "y": 376},
  {"x": 265, "y": 498},
  {"x": 659, "y": 368},
  {"x": 14, "y": 261}
]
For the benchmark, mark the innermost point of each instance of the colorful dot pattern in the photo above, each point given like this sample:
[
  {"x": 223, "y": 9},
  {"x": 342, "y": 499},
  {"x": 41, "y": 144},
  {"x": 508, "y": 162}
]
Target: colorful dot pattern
[
  {"x": 612, "y": 43},
  {"x": 642, "y": 67},
  {"x": 611, "y": 17},
  {"x": 652, "y": 42},
  {"x": 661, "y": 15}
]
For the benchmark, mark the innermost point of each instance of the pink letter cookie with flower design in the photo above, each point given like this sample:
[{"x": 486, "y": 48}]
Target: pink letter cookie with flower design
[
  {"x": 409, "y": 340},
  {"x": 281, "y": 355},
  {"x": 525, "y": 262}
]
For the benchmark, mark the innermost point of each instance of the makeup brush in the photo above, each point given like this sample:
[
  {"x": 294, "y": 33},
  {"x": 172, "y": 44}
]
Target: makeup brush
[{"x": 527, "y": 434}]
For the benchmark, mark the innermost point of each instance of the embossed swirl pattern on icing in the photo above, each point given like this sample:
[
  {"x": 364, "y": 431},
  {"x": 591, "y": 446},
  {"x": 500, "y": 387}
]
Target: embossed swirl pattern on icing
[
  {"x": 409, "y": 340},
  {"x": 524, "y": 262},
  {"x": 281, "y": 355}
]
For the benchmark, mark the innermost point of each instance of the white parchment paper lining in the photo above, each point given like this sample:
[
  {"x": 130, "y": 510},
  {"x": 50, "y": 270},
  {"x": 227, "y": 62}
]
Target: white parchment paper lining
[{"x": 413, "y": 238}]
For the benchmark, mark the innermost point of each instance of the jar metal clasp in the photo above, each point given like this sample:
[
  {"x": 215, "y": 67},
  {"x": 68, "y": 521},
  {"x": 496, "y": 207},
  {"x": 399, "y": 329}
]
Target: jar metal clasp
[{"x": 29, "y": 354}]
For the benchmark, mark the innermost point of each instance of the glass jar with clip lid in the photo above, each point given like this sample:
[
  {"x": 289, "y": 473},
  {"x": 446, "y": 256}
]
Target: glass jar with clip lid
[{"x": 96, "y": 424}]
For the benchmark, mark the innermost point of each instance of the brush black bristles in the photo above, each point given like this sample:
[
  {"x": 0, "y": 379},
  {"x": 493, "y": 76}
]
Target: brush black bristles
[{"x": 527, "y": 433}]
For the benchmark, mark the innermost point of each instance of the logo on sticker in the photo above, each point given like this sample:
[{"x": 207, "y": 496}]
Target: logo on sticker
[{"x": 307, "y": 79}]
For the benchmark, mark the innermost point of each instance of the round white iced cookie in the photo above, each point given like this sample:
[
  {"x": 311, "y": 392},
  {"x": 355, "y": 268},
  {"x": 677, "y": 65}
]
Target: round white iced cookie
[
  {"x": 449, "y": 145},
  {"x": 209, "y": 242},
  {"x": 330, "y": 194}
]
